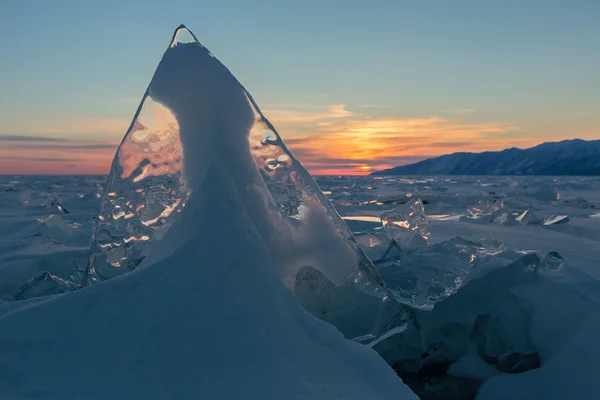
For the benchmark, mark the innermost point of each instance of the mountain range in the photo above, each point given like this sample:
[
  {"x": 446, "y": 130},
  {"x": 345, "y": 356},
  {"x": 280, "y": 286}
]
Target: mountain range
[{"x": 568, "y": 157}]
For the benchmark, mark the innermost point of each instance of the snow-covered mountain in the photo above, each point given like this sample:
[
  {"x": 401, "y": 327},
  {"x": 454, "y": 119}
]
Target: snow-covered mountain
[{"x": 569, "y": 157}]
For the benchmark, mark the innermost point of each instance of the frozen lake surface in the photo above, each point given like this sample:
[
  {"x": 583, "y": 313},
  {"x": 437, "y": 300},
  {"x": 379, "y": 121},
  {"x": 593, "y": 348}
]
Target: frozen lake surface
[
  {"x": 46, "y": 221},
  {"x": 450, "y": 230}
]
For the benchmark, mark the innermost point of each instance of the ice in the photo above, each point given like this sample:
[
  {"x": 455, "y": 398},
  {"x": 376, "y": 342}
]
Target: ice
[
  {"x": 571, "y": 374},
  {"x": 407, "y": 224},
  {"x": 502, "y": 217},
  {"x": 484, "y": 305},
  {"x": 556, "y": 219},
  {"x": 193, "y": 114},
  {"x": 145, "y": 190},
  {"x": 215, "y": 222},
  {"x": 543, "y": 192},
  {"x": 553, "y": 261},
  {"x": 199, "y": 263},
  {"x": 503, "y": 338},
  {"x": 202, "y": 322},
  {"x": 483, "y": 207},
  {"x": 57, "y": 229},
  {"x": 491, "y": 246},
  {"x": 529, "y": 217},
  {"x": 374, "y": 244},
  {"x": 422, "y": 276},
  {"x": 44, "y": 284}
]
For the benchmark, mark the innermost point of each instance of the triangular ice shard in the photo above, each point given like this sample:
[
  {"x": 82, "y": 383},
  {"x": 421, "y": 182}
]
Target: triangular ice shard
[{"x": 195, "y": 114}]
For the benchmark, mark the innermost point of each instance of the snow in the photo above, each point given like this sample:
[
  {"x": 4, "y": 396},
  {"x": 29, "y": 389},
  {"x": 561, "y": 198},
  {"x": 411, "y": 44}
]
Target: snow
[
  {"x": 571, "y": 374},
  {"x": 207, "y": 313},
  {"x": 200, "y": 323}
]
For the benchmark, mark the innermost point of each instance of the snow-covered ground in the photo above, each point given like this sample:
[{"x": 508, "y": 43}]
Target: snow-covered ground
[
  {"x": 549, "y": 314},
  {"x": 46, "y": 225}
]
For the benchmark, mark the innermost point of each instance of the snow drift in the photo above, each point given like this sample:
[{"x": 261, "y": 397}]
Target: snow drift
[{"x": 205, "y": 311}]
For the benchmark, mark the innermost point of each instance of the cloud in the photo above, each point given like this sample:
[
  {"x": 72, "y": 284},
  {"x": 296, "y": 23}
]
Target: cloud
[
  {"x": 372, "y": 106},
  {"x": 41, "y": 159},
  {"x": 67, "y": 127},
  {"x": 65, "y": 145},
  {"x": 316, "y": 96},
  {"x": 459, "y": 111},
  {"x": 86, "y": 127},
  {"x": 25, "y": 138},
  {"x": 345, "y": 141},
  {"x": 333, "y": 111},
  {"x": 129, "y": 99},
  {"x": 51, "y": 155},
  {"x": 326, "y": 139}
]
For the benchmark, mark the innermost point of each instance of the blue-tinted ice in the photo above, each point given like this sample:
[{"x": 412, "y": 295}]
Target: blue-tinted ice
[{"x": 195, "y": 114}]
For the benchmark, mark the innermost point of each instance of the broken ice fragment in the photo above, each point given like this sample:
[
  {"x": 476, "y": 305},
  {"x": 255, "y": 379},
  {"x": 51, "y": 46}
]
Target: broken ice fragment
[
  {"x": 552, "y": 262},
  {"x": 196, "y": 116},
  {"x": 56, "y": 229},
  {"x": 501, "y": 217},
  {"x": 407, "y": 224},
  {"x": 529, "y": 217},
  {"x": 503, "y": 338},
  {"x": 422, "y": 276},
  {"x": 483, "y": 207},
  {"x": 44, "y": 284},
  {"x": 491, "y": 246},
  {"x": 556, "y": 219},
  {"x": 374, "y": 244},
  {"x": 544, "y": 192},
  {"x": 352, "y": 312}
]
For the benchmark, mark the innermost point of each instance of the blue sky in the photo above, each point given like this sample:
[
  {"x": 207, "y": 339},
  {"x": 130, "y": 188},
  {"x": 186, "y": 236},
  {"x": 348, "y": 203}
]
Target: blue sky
[{"x": 472, "y": 75}]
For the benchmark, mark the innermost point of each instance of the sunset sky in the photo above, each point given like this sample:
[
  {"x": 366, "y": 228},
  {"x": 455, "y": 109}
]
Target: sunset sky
[{"x": 351, "y": 86}]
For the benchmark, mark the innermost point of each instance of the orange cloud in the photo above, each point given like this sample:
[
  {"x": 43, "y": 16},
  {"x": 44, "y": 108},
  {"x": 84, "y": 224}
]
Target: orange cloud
[
  {"x": 343, "y": 142},
  {"x": 60, "y": 144},
  {"x": 55, "y": 157},
  {"x": 79, "y": 127},
  {"x": 326, "y": 139},
  {"x": 333, "y": 111}
]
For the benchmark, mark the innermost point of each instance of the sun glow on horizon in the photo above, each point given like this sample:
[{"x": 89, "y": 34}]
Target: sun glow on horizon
[{"x": 327, "y": 140}]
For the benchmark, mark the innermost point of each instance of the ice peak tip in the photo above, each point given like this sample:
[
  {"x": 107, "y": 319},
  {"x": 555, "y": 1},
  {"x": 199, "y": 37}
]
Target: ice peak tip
[{"x": 183, "y": 35}]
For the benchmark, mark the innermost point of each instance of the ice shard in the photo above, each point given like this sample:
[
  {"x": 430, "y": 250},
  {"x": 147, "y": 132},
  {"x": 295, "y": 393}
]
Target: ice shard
[
  {"x": 422, "y": 276},
  {"x": 44, "y": 284},
  {"x": 195, "y": 114},
  {"x": 483, "y": 207},
  {"x": 529, "y": 217},
  {"x": 553, "y": 261},
  {"x": 556, "y": 220},
  {"x": 407, "y": 224}
]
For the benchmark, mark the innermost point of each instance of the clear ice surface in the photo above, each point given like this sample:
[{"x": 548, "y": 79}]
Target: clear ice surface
[
  {"x": 483, "y": 207},
  {"x": 374, "y": 244},
  {"x": 422, "y": 276},
  {"x": 44, "y": 284},
  {"x": 195, "y": 113},
  {"x": 407, "y": 224}
]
